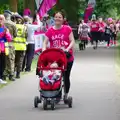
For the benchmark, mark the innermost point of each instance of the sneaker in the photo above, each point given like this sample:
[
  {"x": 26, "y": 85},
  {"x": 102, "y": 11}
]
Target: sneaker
[
  {"x": 2, "y": 82},
  {"x": 11, "y": 78},
  {"x": 18, "y": 75}
]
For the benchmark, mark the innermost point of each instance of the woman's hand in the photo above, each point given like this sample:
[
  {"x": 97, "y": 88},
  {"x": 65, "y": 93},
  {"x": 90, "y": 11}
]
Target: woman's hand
[
  {"x": 66, "y": 50},
  {"x": 45, "y": 43}
]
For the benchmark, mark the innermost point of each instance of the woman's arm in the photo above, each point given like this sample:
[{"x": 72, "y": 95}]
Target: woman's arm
[
  {"x": 72, "y": 42},
  {"x": 45, "y": 43},
  {"x": 8, "y": 35},
  {"x": 79, "y": 29}
]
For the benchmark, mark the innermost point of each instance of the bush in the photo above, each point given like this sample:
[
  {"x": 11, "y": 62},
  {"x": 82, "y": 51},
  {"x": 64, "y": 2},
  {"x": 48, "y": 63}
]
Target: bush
[
  {"x": 118, "y": 36},
  {"x": 4, "y": 7}
]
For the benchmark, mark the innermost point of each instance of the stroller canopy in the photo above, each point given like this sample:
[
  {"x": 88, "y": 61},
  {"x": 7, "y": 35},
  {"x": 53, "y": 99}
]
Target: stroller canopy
[{"x": 52, "y": 55}]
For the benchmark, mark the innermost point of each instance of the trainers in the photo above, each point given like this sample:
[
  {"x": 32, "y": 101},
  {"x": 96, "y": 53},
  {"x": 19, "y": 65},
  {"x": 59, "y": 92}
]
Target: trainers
[
  {"x": 11, "y": 78},
  {"x": 2, "y": 82},
  {"x": 18, "y": 75}
]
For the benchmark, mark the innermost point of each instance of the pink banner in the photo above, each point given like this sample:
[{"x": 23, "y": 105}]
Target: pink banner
[
  {"x": 89, "y": 10},
  {"x": 45, "y": 6}
]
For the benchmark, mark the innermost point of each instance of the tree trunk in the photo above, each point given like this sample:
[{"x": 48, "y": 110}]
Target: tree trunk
[
  {"x": 30, "y": 4},
  {"x": 13, "y": 5}
]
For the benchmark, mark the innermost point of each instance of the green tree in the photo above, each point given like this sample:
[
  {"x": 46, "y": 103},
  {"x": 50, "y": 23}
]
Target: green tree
[
  {"x": 70, "y": 8},
  {"x": 4, "y": 7},
  {"x": 107, "y": 8},
  {"x": 13, "y": 5}
]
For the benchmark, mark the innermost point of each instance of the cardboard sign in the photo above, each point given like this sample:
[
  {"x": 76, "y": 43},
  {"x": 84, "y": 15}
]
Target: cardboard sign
[{"x": 39, "y": 37}]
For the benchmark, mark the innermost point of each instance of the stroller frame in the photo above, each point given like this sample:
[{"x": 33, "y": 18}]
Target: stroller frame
[{"x": 48, "y": 99}]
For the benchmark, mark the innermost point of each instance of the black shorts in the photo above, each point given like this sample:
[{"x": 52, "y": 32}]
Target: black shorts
[{"x": 95, "y": 36}]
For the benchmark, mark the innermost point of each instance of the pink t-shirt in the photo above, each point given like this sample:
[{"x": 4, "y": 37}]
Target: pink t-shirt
[{"x": 60, "y": 38}]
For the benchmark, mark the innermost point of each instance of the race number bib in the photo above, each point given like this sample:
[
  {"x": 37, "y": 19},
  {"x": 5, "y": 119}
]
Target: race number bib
[{"x": 59, "y": 43}]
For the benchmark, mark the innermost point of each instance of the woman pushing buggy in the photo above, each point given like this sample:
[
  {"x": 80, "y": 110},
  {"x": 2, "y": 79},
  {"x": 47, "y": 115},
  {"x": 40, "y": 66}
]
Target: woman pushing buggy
[{"x": 61, "y": 41}]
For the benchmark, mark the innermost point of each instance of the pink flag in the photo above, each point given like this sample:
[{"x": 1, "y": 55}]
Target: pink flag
[
  {"x": 45, "y": 6},
  {"x": 89, "y": 10}
]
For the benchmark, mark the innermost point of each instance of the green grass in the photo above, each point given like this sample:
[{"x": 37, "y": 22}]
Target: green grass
[
  {"x": 118, "y": 54},
  {"x": 117, "y": 58},
  {"x": 34, "y": 64}
]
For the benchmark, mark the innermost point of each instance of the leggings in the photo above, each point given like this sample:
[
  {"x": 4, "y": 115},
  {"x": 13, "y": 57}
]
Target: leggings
[
  {"x": 107, "y": 39},
  {"x": 95, "y": 38},
  {"x": 114, "y": 37},
  {"x": 2, "y": 64},
  {"x": 67, "y": 77}
]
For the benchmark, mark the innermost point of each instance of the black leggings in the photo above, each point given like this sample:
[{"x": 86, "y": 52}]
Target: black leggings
[
  {"x": 28, "y": 57},
  {"x": 67, "y": 77},
  {"x": 95, "y": 38},
  {"x": 107, "y": 39},
  {"x": 2, "y": 64}
]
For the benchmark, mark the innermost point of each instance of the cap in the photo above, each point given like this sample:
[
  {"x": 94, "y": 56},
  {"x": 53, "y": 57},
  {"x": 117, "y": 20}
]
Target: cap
[
  {"x": 8, "y": 11},
  {"x": 110, "y": 19}
]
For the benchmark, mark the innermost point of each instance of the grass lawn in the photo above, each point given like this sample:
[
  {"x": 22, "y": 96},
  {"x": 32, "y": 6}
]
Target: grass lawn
[
  {"x": 118, "y": 55},
  {"x": 118, "y": 62},
  {"x": 34, "y": 64}
]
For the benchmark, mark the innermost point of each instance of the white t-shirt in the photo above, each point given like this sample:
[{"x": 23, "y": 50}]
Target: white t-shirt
[{"x": 30, "y": 30}]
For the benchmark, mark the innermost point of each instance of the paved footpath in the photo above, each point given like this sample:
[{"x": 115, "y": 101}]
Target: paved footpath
[{"x": 95, "y": 89}]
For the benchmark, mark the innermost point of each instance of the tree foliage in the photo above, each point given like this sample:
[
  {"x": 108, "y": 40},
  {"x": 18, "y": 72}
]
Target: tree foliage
[
  {"x": 4, "y": 7},
  {"x": 72, "y": 8},
  {"x": 107, "y": 8}
]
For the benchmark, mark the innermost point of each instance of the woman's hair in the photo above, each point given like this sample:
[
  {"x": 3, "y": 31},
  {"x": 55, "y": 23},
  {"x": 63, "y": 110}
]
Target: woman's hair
[
  {"x": 27, "y": 19},
  {"x": 2, "y": 17},
  {"x": 34, "y": 17},
  {"x": 80, "y": 21},
  {"x": 60, "y": 12}
]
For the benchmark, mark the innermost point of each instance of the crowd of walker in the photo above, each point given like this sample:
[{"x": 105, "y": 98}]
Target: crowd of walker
[
  {"x": 98, "y": 30},
  {"x": 17, "y": 43}
]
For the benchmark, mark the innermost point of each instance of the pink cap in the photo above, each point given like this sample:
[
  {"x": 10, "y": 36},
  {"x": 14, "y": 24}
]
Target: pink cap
[{"x": 110, "y": 19}]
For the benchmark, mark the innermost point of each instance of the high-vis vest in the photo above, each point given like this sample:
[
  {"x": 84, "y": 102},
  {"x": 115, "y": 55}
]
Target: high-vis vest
[
  {"x": 3, "y": 40},
  {"x": 6, "y": 48},
  {"x": 20, "y": 40}
]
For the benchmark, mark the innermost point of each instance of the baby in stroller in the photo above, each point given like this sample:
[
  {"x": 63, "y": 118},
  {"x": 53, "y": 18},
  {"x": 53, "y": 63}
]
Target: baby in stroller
[{"x": 51, "y": 76}]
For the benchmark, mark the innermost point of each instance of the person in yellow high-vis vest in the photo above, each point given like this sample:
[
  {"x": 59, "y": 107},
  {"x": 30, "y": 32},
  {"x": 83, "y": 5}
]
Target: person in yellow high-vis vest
[{"x": 20, "y": 45}]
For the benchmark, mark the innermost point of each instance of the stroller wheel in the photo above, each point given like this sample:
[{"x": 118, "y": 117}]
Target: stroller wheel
[
  {"x": 70, "y": 101},
  {"x": 52, "y": 104},
  {"x": 45, "y": 104},
  {"x": 36, "y": 101}
]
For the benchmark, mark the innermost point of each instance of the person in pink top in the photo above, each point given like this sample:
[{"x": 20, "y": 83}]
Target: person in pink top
[
  {"x": 27, "y": 12},
  {"x": 101, "y": 29},
  {"x": 61, "y": 36},
  {"x": 4, "y": 37},
  {"x": 94, "y": 26}
]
